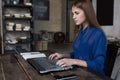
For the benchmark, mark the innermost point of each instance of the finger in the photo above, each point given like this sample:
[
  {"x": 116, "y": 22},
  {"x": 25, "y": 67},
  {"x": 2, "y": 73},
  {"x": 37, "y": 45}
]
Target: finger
[
  {"x": 56, "y": 56},
  {"x": 64, "y": 65},
  {"x": 60, "y": 63},
  {"x": 52, "y": 56}
]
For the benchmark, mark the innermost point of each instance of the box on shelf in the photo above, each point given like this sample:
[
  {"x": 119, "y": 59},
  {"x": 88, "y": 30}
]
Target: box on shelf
[{"x": 41, "y": 45}]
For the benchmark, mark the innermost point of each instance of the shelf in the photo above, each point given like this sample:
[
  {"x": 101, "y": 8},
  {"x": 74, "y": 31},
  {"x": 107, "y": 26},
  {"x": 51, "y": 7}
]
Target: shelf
[
  {"x": 14, "y": 18},
  {"x": 22, "y": 30},
  {"x": 17, "y": 21},
  {"x": 19, "y": 43},
  {"x": 18, "y": 31},
  {"x": 17, "y": 6},
  {"x": 17, "y": 51}
]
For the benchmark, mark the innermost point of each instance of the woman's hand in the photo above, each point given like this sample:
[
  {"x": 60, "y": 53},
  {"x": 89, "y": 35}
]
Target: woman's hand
[
  {"x": 65, "y": 62},
  {"x": 69, "y": 62},
  {"x": 56, "y": 56}
]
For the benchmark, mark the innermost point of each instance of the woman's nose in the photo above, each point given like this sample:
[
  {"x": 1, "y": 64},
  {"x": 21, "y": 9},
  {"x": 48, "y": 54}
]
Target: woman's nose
[{"x": 73, "y": 16}]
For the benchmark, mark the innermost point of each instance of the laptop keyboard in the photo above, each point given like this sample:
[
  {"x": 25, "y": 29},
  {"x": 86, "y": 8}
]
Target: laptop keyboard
[
  {"x": 44, "y": 65},
  {"x": 47, "y": 63}
]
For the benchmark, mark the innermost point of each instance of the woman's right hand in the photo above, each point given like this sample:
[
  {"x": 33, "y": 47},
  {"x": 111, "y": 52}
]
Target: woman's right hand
[{"x": 56, "y": 56}]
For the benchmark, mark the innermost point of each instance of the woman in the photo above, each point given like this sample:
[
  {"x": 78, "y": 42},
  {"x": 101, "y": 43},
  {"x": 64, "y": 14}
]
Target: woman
[{"x": 89, "y": 47}]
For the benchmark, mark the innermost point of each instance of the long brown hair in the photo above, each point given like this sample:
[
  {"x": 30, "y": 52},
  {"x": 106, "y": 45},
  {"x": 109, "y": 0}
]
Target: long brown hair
[{"x": 87, "y": 7}]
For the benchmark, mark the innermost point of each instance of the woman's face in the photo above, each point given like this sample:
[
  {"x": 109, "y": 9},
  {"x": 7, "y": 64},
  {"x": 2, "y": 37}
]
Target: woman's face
[{"x": 78, "y": 15}]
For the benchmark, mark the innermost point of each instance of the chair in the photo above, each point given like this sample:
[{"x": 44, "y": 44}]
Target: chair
[
  {"x": 118, "y": 75},
  {"x": 116, "y": 69},
  {"x": 111, "y": 54}
]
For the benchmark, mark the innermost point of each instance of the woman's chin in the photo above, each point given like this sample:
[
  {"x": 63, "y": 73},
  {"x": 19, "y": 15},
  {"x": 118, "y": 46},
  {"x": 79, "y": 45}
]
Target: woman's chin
[{"x": 77, "y": 24}]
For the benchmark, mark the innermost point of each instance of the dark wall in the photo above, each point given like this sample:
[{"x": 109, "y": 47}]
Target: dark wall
[{"x": 105, "y": 10}]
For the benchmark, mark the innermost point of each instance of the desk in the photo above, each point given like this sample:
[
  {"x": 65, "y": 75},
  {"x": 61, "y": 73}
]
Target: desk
[{"x": 16, "y": 68}]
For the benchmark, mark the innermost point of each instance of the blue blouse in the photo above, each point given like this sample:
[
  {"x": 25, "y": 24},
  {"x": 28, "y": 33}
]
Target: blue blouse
[{"x": 90, "y": 45}]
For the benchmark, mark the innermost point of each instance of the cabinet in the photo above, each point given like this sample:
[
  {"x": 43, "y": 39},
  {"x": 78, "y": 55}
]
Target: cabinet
[{"x": 17, "y": 25}]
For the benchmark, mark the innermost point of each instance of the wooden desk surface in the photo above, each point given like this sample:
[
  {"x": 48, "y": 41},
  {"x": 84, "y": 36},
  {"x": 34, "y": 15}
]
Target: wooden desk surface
[{"x": 16, "y": 68}]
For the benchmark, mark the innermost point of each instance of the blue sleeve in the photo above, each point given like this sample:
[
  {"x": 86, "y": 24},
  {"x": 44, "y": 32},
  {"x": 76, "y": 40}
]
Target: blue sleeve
[
  {"x": 98, "y": 54},
  {"x": 72, "y": 54}
]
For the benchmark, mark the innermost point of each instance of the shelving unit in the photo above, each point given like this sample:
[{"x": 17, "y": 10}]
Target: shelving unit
[{"x": 17, "y": 20}]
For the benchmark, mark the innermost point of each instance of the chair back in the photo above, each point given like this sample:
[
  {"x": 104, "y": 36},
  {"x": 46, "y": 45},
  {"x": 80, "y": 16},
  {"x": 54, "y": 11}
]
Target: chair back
[{"x": 111, "y": 54}]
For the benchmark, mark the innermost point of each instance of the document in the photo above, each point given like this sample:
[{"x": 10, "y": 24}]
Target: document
[{"x": 28, "y": 55}]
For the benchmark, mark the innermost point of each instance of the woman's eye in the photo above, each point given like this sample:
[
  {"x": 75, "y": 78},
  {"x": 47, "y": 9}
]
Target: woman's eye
[{"x": 77, "y": 13}]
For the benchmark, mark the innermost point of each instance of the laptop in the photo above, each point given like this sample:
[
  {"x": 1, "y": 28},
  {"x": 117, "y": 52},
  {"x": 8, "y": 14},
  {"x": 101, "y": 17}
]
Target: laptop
[{"x": 45, "y": 65}]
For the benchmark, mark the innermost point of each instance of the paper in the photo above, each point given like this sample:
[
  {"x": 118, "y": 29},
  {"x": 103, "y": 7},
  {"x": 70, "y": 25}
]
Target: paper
[{"x": 28, "y": 55}]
